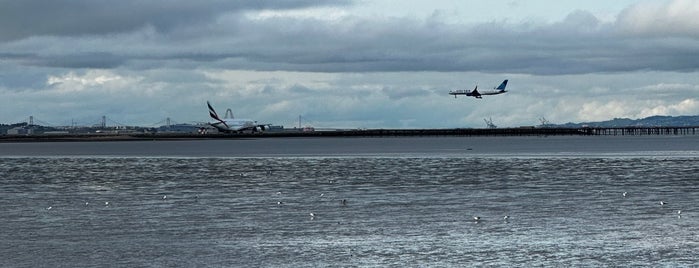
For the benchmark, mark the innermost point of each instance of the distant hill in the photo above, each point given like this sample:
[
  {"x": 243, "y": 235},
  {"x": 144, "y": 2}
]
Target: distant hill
[{"x": 653, "y": 121}]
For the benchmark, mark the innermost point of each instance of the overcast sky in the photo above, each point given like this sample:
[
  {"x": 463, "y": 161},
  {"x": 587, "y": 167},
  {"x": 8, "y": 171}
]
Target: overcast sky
[{"x": 345, "y": 63}]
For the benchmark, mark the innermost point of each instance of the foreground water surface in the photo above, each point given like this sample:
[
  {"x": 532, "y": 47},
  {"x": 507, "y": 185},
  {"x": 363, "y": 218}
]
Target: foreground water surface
[{"x": 411, "y": 202}]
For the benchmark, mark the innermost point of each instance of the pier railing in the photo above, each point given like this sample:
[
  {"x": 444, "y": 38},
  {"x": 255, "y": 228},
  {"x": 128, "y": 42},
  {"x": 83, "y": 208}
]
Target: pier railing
[
  {"x": 525, "y": 131},
  {"x": 639, "y": 131}
]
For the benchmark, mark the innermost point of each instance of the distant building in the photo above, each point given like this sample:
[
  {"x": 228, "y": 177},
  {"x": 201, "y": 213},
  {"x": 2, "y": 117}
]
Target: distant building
[
  {"x": 56, "y": 133},
  {"x": 179, "y": 128},
  {"x": 20, "y": 131},
  {"x": 276, "y": 128}
]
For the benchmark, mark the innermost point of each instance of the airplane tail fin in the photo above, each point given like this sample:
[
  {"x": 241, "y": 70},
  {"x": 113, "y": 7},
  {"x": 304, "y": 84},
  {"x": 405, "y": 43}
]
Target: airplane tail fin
[
  {"x": 214, "y": 115},
  {"x": 502, "y": 86},
  {"x": 212, "y": 112}
]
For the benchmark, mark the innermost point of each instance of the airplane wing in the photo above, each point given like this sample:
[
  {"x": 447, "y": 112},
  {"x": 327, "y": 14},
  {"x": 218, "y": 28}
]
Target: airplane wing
[
  {"x": 254, "y": 128},
  {"x": 475, "y": 93}
]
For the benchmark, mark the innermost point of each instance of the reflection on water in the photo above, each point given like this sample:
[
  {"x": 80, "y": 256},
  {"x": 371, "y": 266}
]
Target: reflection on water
[{"x": 177, "y": 211}]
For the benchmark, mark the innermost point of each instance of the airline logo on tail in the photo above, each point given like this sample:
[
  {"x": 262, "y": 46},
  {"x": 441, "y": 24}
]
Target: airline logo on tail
[
  {"x": 480, "y": 93},
  {"x": 502, "y": 85},
  {"x": 214, "y": 115}
]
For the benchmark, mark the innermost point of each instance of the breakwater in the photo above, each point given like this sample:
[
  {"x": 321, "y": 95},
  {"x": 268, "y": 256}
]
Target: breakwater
[{"x": 587, "y": 131}]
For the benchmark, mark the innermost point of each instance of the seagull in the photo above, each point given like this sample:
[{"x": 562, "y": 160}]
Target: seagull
[
  {"x": 164, "y": 196},
  {"x": 679, "y": 212},
  {"x": 476, "y": 218},
  {"x": 280, "y": 202},
  {"x": 662, "y": 203},
  {"x": 313, "y": 216},
  {"x": 49, "y": 208},
  {"x": 506, "y": 217},
  {"x": 624, "y": 194},
  {"x": 106, "y": 203}
]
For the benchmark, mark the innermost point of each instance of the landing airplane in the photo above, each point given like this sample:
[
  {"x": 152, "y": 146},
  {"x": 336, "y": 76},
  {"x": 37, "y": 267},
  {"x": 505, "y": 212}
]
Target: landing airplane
[
  {"x": 231, "y": 125},
  {"x": 478, "y": 94}
]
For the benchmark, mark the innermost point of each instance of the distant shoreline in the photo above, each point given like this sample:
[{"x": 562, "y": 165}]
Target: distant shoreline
[{"x": 621, "y": 131}]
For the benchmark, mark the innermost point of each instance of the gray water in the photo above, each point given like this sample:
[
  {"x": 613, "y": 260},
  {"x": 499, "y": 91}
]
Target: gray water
[{"x": 408, "y": 203}]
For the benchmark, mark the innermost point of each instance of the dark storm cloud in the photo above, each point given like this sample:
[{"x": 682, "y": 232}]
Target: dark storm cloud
[
  {"x": 400, "y": 93},
  {"x": 85, "y": 60},
  {"x": 579, "y": 44},
  {"x": 152, "y": 34},
  {"x": 25, "y": 18}
]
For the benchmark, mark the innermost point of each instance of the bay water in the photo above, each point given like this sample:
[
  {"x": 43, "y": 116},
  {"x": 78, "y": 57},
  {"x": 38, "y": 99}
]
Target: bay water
[{"x": 352, "y": 202}]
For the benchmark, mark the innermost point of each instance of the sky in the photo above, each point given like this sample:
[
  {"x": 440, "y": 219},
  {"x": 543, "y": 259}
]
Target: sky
[{"x": 347, "y": 63}]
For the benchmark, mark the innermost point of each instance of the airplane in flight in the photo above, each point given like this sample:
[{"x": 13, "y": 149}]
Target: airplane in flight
[
  {"x": 233, "y": 125},
  {"x": 479, "y": 93}
]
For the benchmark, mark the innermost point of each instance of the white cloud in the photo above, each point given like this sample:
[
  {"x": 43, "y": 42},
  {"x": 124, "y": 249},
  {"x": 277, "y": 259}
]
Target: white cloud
[
  {"x": 684, "y": 107},
  {"x": 75, "y": 82},
  {"x": 661, "y": 18},
  {"x": 321, "y": 13}
]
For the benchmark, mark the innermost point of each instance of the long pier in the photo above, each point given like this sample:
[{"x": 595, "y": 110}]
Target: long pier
[
  {"x": 640, "y": 131},
  {"x": 522, "y": 131}
]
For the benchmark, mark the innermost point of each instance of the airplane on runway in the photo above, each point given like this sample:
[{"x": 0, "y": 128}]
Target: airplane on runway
[
  {"x": 232, "y": 125},
  {"x": 479, "y": 93}
]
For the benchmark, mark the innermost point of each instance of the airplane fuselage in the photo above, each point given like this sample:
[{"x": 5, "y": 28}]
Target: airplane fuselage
[
  {"x": 234, "y": 125},
  {"x": 477, "y": 93}
]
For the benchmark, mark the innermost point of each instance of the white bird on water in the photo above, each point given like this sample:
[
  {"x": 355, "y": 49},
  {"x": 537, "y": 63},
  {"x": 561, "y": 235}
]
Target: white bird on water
[
  {"x": 313, "y": 216},
  {"x": 506, "y": 217},
  {"x": 476, "y": 218},
  {"x": 662, "y": 203},
  {"x": 624, "y": 194}
]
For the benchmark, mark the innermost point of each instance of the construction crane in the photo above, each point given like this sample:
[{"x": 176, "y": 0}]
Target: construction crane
[{"x": 489, "y": 123}]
